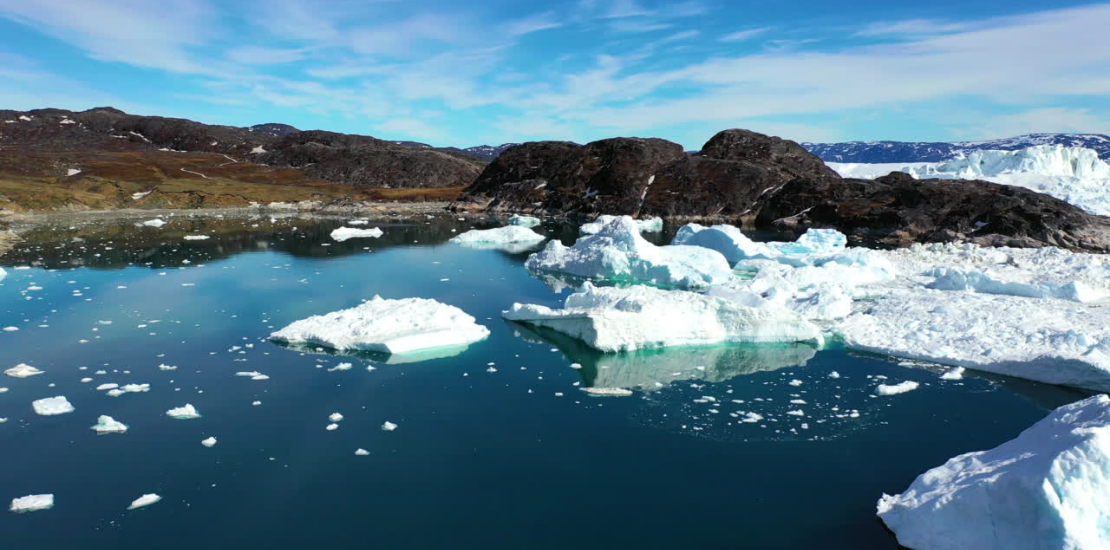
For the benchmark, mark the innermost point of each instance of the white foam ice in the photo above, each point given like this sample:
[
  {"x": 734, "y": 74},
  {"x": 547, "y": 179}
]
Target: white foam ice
[
  {"x": 108, "y": 425},
  {"x": 397, "y": 327},
  {"x": 523, "y": 238},
  {"x": 186, "y": 412},
  {"x": 1047, "y": 488},
  {"x": 32, "y": 503},
  {"x": 641, "y": 317},
  {"x": 524, "y": 221},
  {"x": 346, "y": 233},
  {"x": 1072, "y": 174},
  {"x": 895, "y": 389},
  {"x": 52, "y": 406},
  {"x": 617, "y": 253},
  {"x": 23, "y": 370},
  {"x": 651, "y": 225},
  {"x": 145, "y": 500}
]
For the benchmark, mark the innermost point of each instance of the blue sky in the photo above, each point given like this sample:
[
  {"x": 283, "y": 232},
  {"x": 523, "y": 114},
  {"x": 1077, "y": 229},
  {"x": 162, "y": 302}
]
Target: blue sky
[{"x": 449, "y": 73}]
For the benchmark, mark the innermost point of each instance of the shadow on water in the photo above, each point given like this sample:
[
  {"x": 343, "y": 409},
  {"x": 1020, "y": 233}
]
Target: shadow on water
[{"x": 651, "y": 370}]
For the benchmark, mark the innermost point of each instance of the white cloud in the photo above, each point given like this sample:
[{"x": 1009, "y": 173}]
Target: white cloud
[
  {"x": 748, "y": 34},
  {"x": 255, "y": 55},
  {"x": 535, "y": 23},
  {"x": 911, "y": 27},
  {"x": 1056, "y": 119}
]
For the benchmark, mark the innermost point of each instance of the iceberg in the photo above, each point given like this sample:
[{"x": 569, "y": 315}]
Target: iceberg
[
  {"x": 500, "y": 236},
  {"x": 643, "y": 317},
  {"x": 145, "y": 500},
  {"x": 156, "y": 222},
  {"x": 524, "y": 221},
  {"x": 397, "y": 327},
  {"x": 345, "y": 233},
  {"x": 210, "y": 442},
  {"x": 1047, "y": 488},
  {"x": 618, "y": 254},
  {"x": 652, "y": 225},
  {"x": 186, "y": 412},
  {"x": 1072, "y": 174},
  {"x": 1065, "y": 343},
  {"x": 958, "y": 278},
  {"x": 197, "y": 237},
  {"x": 726, "y": 239},
  {"x": 52, "y": 406},
  {"x": 23, "y": 370},
  {"x": 388, "y": 426},
  {"x": 32, "y": 503},
  {"x": 109, "y": 425},
  {"x": 895, "y": 389}
]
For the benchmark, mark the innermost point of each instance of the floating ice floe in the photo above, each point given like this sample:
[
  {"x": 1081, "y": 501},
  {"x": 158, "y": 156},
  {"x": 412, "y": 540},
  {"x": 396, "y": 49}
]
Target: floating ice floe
[
  {"x": 106, "y": 387},
  {"x": 617, "y": 253},
  {"x": 953, "y": 374},
  {"x": 512, "y": 238},
  {"x": 726, "y": 239},
  {"x": 197, "y": 237},
  {"x": 346, "y": 233},
  {"x": 209, "y": 442},
  {"x": 524, "y": 221},
  {"x": 362, "y": 452},
  {"x": 1047, "y": 488},
  {"x": 32, "y": 503},
  {"x": 23, "y": 370},
  {"x": 341, "y": 366},
  {"x": 388, "y": 426},
  {"x": 52, "y": 406},
  {"x": 108, "y": 425},
  {"x": 607, "y": 392},
  {"x": 397, "y": 327},
  {"x": 253, "y": 375},
  {"x": 157, "y": 222},
  {"x": 335, "y": 417},
  {"x": 358, "y": 222},
  {"x": 895, "y": 389},
  {"x": 652, "y": 225},
  {"x": 166, "y": 367},
  {"x": 186, "y": 412},
  {"x": 145, "y": 500},
  {"x": 129, "y": 388},
  {"x": 331, "y": 427},
  {"x": 641, "y": 317},
  {"x": 813, "y": 241}
]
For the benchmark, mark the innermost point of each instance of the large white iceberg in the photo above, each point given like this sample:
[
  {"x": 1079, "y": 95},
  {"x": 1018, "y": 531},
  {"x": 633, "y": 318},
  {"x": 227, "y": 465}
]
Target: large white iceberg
[
  {"x": 108, "y": 425},
  {"x": 641, "y": 317},
  {"x": 617, "y": 253},
  {"x": 23, "y": 370},
  {"x": 52, "y": 406},
  {"x": 726, "y": 239},
  {"x": 652, "y": 225},
  {"x": 345, "y": 233},
  {"x": 386, "y": 326},
  {"x": 1048, "y": 488},
  {"x": 524, "y": 221},
  {"x": 509, "y": 234},
  {"x": 1072, "y": 174},
  {"x": 32, "y": 503}
]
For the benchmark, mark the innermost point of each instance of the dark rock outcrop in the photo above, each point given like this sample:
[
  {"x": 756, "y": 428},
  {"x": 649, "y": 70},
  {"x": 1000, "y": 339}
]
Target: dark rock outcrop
[
  {"x": 755, "y": 180},
  {"x": 338, "y": 158}
]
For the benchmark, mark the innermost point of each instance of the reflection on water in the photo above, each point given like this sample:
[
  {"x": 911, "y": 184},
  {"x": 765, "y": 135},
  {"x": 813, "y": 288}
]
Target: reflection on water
[
  {"x": 416, "y": 356},
  {"x": 651, "y": 370}
]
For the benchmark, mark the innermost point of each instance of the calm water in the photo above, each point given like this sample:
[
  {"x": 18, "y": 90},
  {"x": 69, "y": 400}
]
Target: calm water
[{"x": 517, "y": 458}]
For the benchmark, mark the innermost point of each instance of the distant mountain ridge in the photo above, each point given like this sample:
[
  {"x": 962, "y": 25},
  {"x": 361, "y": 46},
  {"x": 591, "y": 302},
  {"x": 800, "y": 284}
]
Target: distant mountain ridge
[{"x": 876, "y": 152}]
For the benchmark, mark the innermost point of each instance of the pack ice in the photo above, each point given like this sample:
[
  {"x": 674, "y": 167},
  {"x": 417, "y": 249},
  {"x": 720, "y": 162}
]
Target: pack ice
[
  {"x": 651, "y": 225},
  {"x": 345, "y": 233},
  {"x": 617, "y": 253},
  {"x": 1048, "y": 488},
  {"x": 1072, "y": 174},
  {"x": 513, "y": 237},
  {"x": 387, "y": 326},
  {"x": 639, "y": 317}
]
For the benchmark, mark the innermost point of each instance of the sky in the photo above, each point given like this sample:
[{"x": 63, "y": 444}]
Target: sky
[{"x": 455, "y": 74}]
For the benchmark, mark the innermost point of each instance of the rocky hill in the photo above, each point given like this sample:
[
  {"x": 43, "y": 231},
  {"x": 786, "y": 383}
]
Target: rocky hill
[
  {"x": 876, "y": 152},
  {"x": 273, "y": 129},
  {"x": 759, "y": 181}
]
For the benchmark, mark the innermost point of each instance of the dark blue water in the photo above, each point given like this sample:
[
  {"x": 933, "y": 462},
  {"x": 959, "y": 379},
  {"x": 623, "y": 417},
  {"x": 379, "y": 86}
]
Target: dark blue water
[{"x": 517, "y": 458}]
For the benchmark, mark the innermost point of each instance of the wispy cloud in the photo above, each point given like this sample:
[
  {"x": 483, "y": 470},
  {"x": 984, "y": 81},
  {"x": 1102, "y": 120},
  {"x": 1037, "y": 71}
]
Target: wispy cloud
[
  {"x": 913, "y": 27},
  {"x": 255, "y": 55},
  {"x": 747, "y": 34},
  {"x": 534, "y": 23}
]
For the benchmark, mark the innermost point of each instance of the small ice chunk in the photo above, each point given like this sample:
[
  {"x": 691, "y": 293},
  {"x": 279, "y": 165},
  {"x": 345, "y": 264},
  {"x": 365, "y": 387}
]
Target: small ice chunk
[
  {"x": 22, "y": 370},
  {"x": 524, "y": 221},
  {"x": 358, "y": 222},
  {"x": 335, "y": 417},
  {"x": 907, "y": 386},
  {"x": 341, "y": 366},
  {"x": 166, "y": 367},
  {"x": 197, "y": 237},
  {"x": 52, "y": 406},
  {"x": 145, "y": 500},
  {"x": 608, "y": 392},
  {"x": 332, "y": 427},
  {"x": 210, "y": 442},
  {"x": 389, "y": 426},
  {"x": 106, "y": 387},
  {"x": 509, "y": 234},
  {"x": 834, "y": 374},
  {"x": 652, "y": 225},
  {"x": 108, "y": 425},
  {"x": 953, "y": 374},
  {"x": 156, "y": 222},
  {"x": 362, "y": 452},
  {"x": 186, "y": 412},
  {"x": 346, "y": 233},
  {"x": 32, "y": 503}
]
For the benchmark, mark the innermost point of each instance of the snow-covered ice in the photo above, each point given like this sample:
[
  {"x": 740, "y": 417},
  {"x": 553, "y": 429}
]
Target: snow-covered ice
[
  {"x": 145, "y": 500},
  {"x": 511, "y": 238},
  {"x": 52, "y": 406},
  {"x": 1047, "y": 488},
  {"x": 185, "y": 412},
  {"x": 524, "y": 221},
  {"x": 108, "y": 425},
  {"x": 23, "y": 370},
  {"x": 617, "y": 253},
  {"x": 895, "y": 389},
  {"x": 32, "y": 503},
  {"x": 651, "y": 225},
  {"x": 726, "y": 239},
  {"x": 1072, "y": 174},
  {"x": 640, "y": 317},
  {"x": 389, "y": 326},
  {"x": 346, "y": 233}
]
